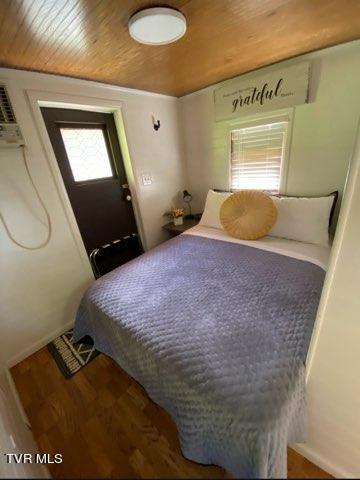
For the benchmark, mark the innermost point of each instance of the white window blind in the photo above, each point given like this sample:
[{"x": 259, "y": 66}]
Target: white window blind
[{"x": 257, "y": 154}]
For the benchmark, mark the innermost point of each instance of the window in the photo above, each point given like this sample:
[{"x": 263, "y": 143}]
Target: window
[
  {"x": 257, "y": 155},
  {"x": 87, "y": 153}
]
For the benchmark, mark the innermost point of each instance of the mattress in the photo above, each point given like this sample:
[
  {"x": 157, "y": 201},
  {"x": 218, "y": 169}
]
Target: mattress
[{"x": 317, "y": 254}]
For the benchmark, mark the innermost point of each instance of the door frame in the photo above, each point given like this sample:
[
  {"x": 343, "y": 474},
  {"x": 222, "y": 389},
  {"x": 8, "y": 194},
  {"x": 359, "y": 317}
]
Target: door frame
[{"x": 38, "y": 99}]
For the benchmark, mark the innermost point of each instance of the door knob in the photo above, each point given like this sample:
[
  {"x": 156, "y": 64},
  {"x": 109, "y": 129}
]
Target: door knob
[{"x": 128, "y": 198}]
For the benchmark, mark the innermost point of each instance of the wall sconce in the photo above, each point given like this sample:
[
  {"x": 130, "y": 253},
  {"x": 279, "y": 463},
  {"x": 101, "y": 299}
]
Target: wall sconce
[{"x": 156, "y": 124}]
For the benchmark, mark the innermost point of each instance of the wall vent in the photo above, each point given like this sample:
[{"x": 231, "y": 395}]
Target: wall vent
[
  {"x": 6, "y": 112},
  {"x": 10, "y": 134}
]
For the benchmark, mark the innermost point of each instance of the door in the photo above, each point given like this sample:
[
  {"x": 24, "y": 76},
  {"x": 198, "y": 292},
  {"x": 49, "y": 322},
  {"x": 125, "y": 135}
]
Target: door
[{"x": 87, "y": 150}]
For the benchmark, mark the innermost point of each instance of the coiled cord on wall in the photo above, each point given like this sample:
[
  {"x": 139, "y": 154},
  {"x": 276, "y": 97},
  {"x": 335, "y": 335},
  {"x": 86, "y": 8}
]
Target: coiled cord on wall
[{"x": 42, "y": 203}]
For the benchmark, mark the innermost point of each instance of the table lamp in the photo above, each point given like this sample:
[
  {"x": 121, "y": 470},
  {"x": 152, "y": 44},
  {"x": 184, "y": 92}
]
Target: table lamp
[{"x": 187, "y": 197}]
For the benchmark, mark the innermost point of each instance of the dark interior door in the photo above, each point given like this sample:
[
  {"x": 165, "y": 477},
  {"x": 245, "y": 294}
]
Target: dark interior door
[{"x": 89, "y": 157}]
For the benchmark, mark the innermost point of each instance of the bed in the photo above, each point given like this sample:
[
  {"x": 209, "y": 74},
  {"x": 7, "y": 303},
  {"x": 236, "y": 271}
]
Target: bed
[{"x": 217, "y": 331}]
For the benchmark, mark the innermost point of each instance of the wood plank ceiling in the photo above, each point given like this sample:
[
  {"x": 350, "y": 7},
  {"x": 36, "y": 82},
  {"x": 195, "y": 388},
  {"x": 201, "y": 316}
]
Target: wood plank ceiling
[{"x": 89, "y": 39}]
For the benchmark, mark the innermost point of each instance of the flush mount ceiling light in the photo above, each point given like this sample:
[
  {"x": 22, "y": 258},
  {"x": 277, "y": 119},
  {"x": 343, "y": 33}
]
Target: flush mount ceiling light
[{"x": 157, "y": 26}]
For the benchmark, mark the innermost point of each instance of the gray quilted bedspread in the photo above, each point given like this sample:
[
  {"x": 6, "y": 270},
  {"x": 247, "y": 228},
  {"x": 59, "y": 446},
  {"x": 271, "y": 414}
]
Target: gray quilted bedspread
[{"x": 217, "y": 333}]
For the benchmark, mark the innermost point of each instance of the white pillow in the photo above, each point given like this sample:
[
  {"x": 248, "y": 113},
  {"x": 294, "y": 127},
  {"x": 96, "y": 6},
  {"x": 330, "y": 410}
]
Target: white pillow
[
  {"x": 303, "y": 219},
  {"x": 211, "y": 215}
]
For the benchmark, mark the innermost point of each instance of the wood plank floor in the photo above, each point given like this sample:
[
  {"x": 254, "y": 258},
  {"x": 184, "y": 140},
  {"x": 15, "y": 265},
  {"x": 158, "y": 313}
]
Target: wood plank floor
[{"x": 104, "y": 425}]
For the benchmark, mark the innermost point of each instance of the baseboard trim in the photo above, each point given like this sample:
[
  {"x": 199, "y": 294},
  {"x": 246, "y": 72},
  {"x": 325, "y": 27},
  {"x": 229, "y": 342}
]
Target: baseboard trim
[
  {"x": 39, "y": 344},
  {"x": 321, "y": 461}
]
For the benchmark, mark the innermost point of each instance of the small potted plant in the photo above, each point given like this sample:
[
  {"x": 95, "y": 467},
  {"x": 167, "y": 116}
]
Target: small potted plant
[{"x": 177, "y": 215}]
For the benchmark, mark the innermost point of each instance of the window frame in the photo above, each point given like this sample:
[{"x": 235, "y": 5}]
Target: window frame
[{"x": 261, "y": 119}]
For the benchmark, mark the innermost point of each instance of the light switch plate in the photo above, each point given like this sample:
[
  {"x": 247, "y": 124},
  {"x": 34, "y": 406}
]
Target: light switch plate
[{"x": 146, "y": 179}]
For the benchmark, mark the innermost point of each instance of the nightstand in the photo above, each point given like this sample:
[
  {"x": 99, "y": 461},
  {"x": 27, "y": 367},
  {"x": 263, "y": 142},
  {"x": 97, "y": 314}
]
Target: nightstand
[{"x": 177, "y": 229}]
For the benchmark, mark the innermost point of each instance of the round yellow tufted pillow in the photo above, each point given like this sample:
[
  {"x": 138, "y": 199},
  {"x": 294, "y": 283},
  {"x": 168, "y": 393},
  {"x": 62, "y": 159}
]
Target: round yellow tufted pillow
[{"x": 248, "y": 214}]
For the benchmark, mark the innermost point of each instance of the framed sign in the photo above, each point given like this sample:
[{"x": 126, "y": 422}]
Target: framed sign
[{"x": 271, "y": 91}]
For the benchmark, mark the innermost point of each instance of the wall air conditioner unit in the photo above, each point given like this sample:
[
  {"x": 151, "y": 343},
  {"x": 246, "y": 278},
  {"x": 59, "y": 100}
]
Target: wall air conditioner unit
[{"x": 10, "y": 134}]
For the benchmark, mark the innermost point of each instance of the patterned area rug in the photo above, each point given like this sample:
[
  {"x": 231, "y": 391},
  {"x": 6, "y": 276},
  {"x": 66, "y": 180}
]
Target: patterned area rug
[{"x": 71, "y": 357}]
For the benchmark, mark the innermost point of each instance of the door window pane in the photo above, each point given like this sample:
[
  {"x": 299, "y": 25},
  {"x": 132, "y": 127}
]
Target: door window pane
[{"x": 87, "y": 153}]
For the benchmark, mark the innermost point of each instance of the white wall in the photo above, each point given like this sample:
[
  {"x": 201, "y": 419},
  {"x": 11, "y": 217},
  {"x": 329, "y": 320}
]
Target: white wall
[
  {"x": 40, "y": 290},
  {"x": 323, "y": 130},
  {"x": 334, "y": 364}
]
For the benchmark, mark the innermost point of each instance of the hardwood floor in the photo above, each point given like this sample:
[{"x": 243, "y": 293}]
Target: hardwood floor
[{"x": 104, "y": 425}]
